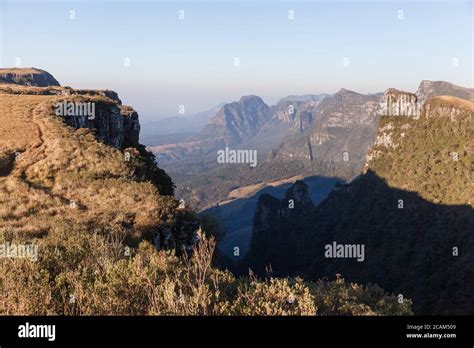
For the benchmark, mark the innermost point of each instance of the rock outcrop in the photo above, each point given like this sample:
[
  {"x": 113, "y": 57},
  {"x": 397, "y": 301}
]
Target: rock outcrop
[
  {"x": 296, "y": 113},
  {"x": 400, "y": 103},
  {"x": 234, "y": 124},
  {"x": 114, "y": 124},
  {"x": 237, "y": 121},
  {"x": 182, "y": 235},
  {"x": 52, "y": 148},
  {"x": 342, "y": 129},
  {"x": 429, "y": 89},
  {"x": 27, "y": 77},
  {"x": 275, "y": 240}
]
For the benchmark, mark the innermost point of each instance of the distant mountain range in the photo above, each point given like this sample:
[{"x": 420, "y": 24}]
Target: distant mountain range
[
  {"x": 317, "y": 134},
  {"x": 247, "y": 123},
  {"x": 344, "y": 126},
  {"x": 323, "y": 134},
  {"x": 177, "y": 128}
]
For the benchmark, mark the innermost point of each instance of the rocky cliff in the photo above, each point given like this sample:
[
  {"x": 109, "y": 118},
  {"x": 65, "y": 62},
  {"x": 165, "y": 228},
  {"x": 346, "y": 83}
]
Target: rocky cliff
[
  {"x": 342, "y": 130},
  {"x": 428, "y": 89},
  {"x": 400, "y": 103},
  {"x": 278, "y": 227},
  {"x": 27, "y": 77},
  {"x": 114, "y": 124},
  {"x": 234, "y": 125},
  {"x": 73, "y": 156},
  {"x": 411, "y": 210},
  {"x": 296, "y": 113},
  {"x": 238, "y": 121}
]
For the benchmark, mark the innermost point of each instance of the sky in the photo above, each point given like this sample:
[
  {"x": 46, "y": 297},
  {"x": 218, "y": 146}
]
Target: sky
[{"x": 159, "y": 61}]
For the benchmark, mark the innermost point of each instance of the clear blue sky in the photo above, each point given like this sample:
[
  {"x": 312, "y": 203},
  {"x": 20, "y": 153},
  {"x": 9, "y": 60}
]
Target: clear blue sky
[{"x": 191, "y": 61}]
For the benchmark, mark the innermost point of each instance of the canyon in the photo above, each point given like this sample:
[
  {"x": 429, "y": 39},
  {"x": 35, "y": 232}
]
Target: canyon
[{"x": 112, "y": 239}]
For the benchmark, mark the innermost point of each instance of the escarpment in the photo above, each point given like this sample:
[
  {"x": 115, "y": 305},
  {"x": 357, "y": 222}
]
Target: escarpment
[
  {"x": 73, "y": 157},
  {"x": 27, "y": 77},
  {"x": 114, "y": 124},
  {"x": 411, "y": 209}
]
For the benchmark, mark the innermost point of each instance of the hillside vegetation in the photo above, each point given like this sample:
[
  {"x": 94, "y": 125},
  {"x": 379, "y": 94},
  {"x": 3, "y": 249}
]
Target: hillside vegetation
[
  {"x": 84, "y": 273},
  {"x": 431, "y": 156}
]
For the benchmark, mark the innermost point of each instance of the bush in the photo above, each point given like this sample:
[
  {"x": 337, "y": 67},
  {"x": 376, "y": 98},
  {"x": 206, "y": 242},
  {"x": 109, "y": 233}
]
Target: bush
[{"x": 83, "y": 273}]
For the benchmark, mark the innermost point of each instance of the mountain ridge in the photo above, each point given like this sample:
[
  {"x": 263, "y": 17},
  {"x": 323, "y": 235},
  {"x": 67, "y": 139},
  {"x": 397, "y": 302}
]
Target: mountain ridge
[
  {"x": 413, "y": 197},
  {"x": 27, "y": 77}
]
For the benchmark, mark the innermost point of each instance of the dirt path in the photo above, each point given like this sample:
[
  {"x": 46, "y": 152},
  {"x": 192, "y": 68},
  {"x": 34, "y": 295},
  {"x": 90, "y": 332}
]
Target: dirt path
[{"x": 36, "y": 154}]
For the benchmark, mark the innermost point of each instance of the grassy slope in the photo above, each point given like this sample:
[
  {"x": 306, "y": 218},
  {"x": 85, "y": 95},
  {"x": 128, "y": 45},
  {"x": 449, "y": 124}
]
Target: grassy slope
[{"x": 66, "y": 174}]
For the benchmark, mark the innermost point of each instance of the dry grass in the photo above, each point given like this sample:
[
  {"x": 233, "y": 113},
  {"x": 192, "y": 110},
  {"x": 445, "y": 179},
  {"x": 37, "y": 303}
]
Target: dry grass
[
  {"x": 449, "y": 101},
  {"x": 60, "y": 172},
  {"x": 20, "y": 71}
]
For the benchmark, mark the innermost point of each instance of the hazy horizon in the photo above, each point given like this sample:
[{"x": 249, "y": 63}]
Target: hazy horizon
[{"x": 158, "y": 61}]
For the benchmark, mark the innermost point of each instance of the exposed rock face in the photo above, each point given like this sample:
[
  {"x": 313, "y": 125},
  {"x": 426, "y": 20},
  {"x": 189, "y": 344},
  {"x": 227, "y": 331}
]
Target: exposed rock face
[
  {"x": 297, "y": 197},
  {"x": 343, "y": 129},
  {"x": 27, "y": 77},
  {"x": 234, "y": 124},
  {"x": 296, "y": 113},
  {"x": 287, "y": 110},
  {"x": 271, "y": 211},
  {"x": 274, "y": 240},
  {"x": 131, "y": 126},
  {"x": 428, "y": 89},
  {"x": 182, "y": 236},
  {"x": 266, "y": 214},
  {"x": 400, "y": 103},
  {"x": 237, "y": 121},
  {"x": 114, "y": 125},
  {"x": 447, "y": 107},
  {"x": 409, "y": 210}
]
